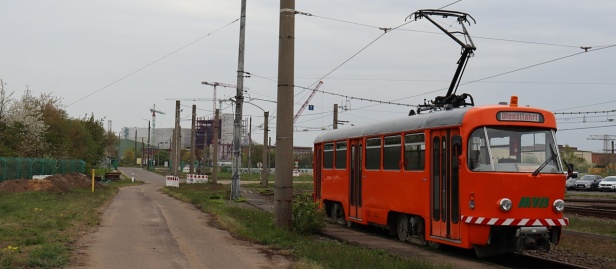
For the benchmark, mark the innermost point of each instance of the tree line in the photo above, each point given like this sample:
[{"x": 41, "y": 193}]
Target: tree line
[{"x": 39, "y": 127}]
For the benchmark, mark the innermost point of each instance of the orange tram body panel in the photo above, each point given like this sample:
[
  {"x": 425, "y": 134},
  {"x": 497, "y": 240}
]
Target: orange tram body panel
[{"x": 487, "y": 178}]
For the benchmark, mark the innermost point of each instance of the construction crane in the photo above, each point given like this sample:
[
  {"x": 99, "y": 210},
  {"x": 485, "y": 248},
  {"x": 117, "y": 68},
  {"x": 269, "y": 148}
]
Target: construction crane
[
  {"x": 301, "y": 109},
  {"x": 606, "y": 140},
  {"x": 215, "y": 84},
  {"x": 154, "y": 111}
]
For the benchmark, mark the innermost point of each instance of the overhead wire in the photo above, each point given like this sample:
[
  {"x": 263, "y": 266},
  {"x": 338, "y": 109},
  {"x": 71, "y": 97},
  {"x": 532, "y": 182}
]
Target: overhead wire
[
  {"x": 601, "y": 103},
  {"x": 586, "y": 127},
  {"x": 585, "y": 112},
  {"x": 152, "y": 63},
  {"x": 513, "y": 71},
  {"x": 465, "y": 83},
  {"x": 386, "y": 30}
]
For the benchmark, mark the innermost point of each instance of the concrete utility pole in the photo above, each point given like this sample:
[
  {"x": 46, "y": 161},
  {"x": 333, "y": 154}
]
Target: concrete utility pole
[
  {"x": 215, "y": 149},
  {"x": 250, "y": 147},
  {"x": 265, "y": 161},
  {"x": 192, "y": 140},
  {"x": 239, "y": 100},
  {"x": 176, "y": 140},
  {"x": 283, "y": 194},
  {"x": 149, "y": 157},
  {"x": 119, "y": 146},
  {"x": 136, "y": 149},
  {"x": 205, "y": 153},
  {"x": 335, "y": 116}
]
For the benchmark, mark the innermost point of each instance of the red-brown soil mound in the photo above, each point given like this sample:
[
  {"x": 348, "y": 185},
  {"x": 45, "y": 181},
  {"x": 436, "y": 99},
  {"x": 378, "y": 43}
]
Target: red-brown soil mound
[{"x": 55, "y": 183}]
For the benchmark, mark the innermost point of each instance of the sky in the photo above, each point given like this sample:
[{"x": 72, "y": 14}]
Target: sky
[{"x": 117, "y": 59}]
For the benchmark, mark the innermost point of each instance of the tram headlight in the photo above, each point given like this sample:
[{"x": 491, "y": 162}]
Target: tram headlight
[
  {"x": 559, "y": 205},
  {"x": 505, "y": 204}
]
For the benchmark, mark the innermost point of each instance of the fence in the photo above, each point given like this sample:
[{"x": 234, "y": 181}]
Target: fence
[{"x": 16, "y": 168}]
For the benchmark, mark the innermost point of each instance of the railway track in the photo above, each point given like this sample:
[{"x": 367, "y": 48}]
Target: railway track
[
  {"x": 527, "y": 261},
  {"x": 377, "y": 239},
  {"x": 374, "y": 238},
  {"x": 592, "y": 208},
  {"x": 591, "y": 201}
]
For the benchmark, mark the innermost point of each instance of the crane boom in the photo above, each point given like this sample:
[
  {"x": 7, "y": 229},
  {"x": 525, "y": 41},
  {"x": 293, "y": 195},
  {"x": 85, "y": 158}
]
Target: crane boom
[
  {"x": 215, "y": 84},
  {"x": 190, "y": 99},
  {"x": 154, "y": 111},
  {"x": 301, "y": 109}
]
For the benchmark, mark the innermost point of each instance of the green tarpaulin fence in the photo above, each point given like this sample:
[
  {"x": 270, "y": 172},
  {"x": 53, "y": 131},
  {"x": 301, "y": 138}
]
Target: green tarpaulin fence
[{"x": 16, "y": 168}]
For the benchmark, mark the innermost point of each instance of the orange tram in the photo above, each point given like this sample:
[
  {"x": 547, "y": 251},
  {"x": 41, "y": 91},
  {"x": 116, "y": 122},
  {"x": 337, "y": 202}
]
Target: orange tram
[{"x": 487, "y": 178}]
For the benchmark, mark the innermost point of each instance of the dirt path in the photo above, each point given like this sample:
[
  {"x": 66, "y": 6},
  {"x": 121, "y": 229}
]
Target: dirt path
[{"x": 143, "y": 228}]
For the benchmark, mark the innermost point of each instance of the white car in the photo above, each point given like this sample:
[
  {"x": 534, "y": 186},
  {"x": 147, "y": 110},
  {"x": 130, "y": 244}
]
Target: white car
[
  {"x": 570, "y": 185},
  {"x": 608, "y": 184}
]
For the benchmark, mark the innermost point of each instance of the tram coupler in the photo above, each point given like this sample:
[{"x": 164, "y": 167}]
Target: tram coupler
[{"x": 533, "y": 238}]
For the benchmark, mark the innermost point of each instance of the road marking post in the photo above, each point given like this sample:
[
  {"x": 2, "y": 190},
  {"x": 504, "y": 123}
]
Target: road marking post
[{"x": 93, "y": 180}]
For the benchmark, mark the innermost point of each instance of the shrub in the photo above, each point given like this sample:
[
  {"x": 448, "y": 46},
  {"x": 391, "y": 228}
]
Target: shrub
[{"x": 308, "y": 218}]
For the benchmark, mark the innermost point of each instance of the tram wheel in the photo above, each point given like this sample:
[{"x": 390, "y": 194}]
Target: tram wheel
[
  {"x": 434, "y": 245},
  {"x": 337, "y": 213},
  {"x": 403, "y": 227}
]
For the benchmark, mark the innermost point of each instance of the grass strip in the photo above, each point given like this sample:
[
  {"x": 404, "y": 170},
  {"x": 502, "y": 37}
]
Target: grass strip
[
  {"x": 38, "y": 229},
  {"x": 311, "y": 251}
]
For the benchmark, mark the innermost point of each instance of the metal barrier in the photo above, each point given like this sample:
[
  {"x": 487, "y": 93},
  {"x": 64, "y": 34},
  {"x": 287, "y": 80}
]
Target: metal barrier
[{"x": 17, "y": 168}]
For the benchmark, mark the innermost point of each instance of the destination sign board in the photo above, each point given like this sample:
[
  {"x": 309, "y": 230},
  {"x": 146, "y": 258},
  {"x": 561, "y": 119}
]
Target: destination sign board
[{"x": 519, "y": 116}]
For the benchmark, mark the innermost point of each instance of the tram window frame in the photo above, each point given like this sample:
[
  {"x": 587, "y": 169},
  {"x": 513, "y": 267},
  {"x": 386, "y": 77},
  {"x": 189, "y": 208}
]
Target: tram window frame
[
  {"x": 477, "y": 151},
  {"x": 392, "y": 152},
  {"x": 328, "y": 156},
  {"x": 414, "y": 152},
  {"x": 341, "y": 155},
  {"x": 373, "y": 153}
]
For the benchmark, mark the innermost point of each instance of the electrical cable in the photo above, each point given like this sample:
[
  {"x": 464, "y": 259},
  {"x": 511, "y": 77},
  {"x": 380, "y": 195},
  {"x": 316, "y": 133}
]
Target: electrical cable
[
  {"x": 151, "y": 63},
  {"x": 585, "y": 112},
  {"x": 440, "y": 33},
  {"x": 581, "y": 128},
  {"x": 586, "y": 105}
]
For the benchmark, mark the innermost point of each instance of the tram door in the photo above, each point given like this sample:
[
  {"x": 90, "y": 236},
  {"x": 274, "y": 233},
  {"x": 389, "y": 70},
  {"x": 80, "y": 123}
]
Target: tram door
[
  {"x": 355, "y": 180},
  {"x": 318, "y": 159},
  {"x": 444, "y": 198}
]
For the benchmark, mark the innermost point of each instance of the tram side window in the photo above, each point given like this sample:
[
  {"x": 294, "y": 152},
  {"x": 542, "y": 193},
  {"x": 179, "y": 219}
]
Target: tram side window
[
  {"x": 414, "y": 151},
  {"x": 392, "y": 152},
  {"x": 328, "y": 156},
  {"x": 373, "y": 153},
  {"x": 478, "y": 156},
  {"x": 341, "y": 149}
]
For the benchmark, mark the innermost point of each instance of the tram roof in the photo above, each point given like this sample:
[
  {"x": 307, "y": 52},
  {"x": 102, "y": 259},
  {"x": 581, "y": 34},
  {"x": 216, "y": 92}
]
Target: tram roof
[{"x": 416, "y": 122}]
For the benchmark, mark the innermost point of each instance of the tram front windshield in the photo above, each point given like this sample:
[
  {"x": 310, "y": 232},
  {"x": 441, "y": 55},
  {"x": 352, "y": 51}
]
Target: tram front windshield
[{"x": 513, "y": 149}]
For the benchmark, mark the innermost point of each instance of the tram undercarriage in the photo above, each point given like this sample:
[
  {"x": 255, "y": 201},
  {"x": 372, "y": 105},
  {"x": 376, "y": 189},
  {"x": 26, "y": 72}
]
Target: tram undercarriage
[{"x": 505, "y": 239}]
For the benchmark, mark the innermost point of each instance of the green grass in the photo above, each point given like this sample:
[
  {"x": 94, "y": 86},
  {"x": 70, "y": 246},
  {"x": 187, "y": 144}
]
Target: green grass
[
  {"x": 37, "y": 229},
  {"x": 593, "y": 246},
  {"x": 258, "y": 226},
  {"x": 592, "y": 225}
]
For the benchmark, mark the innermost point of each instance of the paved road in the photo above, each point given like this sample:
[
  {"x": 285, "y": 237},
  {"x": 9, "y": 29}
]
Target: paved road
[{"x": 143, "y": 228}]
